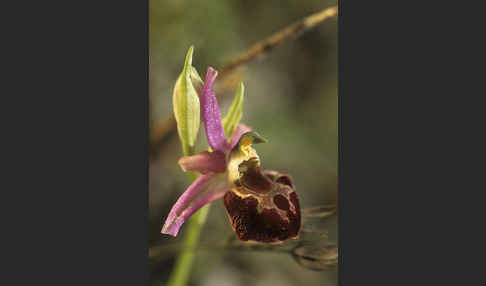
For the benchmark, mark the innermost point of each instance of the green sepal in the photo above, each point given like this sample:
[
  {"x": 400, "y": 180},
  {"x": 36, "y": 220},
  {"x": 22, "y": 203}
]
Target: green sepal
[
  {"x": 235, "y": 112},
  {"x": 196, "y": 80},
  {"x": 186, "y": 104},
  {"x": 251, "y": 137}
]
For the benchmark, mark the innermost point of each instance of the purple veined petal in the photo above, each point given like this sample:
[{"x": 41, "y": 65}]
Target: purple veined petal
[
  {"x": 204, "y": 190},
  {"x": 204, "y": 162},
  {"x": 240, "y": 130},
  {"x": 210, "y": 113}
]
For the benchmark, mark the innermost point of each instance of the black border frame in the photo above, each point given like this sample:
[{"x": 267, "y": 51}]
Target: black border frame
[{"x": 82, "y": 95}]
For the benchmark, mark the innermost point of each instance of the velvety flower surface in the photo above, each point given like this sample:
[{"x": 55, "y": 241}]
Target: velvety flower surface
[
  {"x": 262, "y": 206},
  {"x": 271, "y": 215}
]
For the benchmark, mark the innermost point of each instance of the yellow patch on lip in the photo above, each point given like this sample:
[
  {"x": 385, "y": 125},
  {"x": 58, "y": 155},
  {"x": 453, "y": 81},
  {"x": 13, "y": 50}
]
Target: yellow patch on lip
[
  {"x": 246, "y": 141},
  {"x": 237, "y": 157},
  {"x": 243, "y": 152},
  {"x": 244, "y": 196}
]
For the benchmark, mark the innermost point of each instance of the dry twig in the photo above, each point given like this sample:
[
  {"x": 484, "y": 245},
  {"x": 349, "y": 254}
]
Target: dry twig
[
  {"x": 164, "y": 128},
  {"x": 292, "y": 31}
]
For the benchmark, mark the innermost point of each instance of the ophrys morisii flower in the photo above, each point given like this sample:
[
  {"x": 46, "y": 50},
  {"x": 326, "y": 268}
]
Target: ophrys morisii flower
[{"x": 261, "y": 205}]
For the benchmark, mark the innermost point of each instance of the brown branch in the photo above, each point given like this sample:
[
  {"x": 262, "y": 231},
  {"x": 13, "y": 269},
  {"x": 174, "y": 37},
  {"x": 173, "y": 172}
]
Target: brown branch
[
  {"x": 292, "y": 31},
  {"x": 164, "y": 128}
]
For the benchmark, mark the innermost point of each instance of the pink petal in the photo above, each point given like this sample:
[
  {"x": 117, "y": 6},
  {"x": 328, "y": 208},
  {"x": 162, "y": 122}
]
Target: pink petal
[
  {"x": 204, "y": 190},
  {"x": 210, "y": 113},
  {"x": 240, "y": 130},
  {"x": 204, "y": 162}
]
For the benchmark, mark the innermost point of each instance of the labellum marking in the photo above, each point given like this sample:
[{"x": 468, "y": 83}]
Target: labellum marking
[{"x": 268, "y": 214}]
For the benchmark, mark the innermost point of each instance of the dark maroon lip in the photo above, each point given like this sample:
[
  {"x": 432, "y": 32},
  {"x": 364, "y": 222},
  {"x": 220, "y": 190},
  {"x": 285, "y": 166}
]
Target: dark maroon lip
[
  {"x": 270, "y": 216},
  {"x": 253, "y": 179}
]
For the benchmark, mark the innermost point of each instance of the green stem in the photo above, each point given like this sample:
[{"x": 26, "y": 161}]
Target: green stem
[
  {"x": 182, "y": 268},
  {"x": 183, "y": 265}
]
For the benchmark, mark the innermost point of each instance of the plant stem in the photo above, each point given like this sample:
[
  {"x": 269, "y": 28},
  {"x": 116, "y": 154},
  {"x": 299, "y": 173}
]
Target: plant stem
[{"x": 183, "y": 265}]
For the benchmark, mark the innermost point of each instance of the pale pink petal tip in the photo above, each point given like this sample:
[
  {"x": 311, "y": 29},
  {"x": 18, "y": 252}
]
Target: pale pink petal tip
[
  {"x": 240, "y": 130},
  {"x": 204, "y": 162}
]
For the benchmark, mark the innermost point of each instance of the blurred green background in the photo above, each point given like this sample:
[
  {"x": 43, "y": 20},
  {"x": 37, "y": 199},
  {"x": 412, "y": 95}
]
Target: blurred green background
[{"x": 290, "y": 98}]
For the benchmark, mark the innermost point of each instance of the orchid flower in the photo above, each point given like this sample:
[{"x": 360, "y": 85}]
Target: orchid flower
[{"x": 261, "y": 205}]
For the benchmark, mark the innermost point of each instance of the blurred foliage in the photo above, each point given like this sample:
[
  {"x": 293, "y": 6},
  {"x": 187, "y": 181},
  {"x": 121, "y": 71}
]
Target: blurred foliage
[{"x": 290, "y": 98}]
